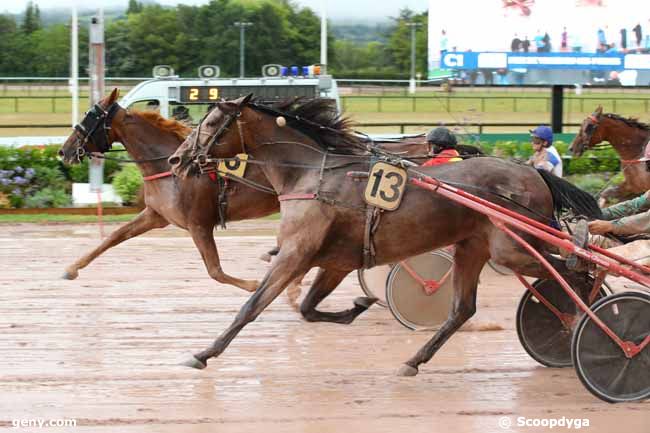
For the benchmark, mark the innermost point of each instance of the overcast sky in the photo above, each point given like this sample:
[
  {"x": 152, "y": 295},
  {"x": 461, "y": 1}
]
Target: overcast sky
[{"x": 338, "y": 9}]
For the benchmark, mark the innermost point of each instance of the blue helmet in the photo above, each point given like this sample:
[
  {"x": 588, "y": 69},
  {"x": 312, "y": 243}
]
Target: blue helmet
[{"x": 544, "y": 132}]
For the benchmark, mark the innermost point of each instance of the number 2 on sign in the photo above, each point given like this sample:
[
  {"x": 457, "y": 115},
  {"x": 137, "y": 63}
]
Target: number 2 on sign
[{"x": 385, "y": 186}]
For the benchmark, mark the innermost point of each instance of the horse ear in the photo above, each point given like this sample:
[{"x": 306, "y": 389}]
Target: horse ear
[
  {"x": 228, "y": 107},
  {"x": 599, "y": 110},
  {"x": 246, "y": 99},
  {"x": 113, "y": 96}
]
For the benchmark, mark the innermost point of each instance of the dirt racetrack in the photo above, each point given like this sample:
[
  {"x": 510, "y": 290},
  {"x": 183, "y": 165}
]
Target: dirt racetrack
[{"x": 104, "y": 350}]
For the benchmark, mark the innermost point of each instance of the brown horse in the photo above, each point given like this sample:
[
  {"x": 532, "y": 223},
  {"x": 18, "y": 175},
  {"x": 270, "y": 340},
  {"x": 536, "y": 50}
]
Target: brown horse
[
  {"x": 628, "y": 137},
  {"x": 306, "y": 152}
]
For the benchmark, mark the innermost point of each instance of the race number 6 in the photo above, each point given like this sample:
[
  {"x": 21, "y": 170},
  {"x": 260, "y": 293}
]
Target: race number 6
[
  {"x": 236, "y": 167},
  {"x": 386, "y": 185}
]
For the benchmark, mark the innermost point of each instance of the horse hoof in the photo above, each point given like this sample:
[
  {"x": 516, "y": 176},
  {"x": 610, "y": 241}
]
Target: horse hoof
[
  {"x": 194, "y": 362},
  {"x": 407, "y": 371},
  {"x": 266, "y": 257},
  {"x": 364, "y": 302},
  {"x": 67, "y": 275}
]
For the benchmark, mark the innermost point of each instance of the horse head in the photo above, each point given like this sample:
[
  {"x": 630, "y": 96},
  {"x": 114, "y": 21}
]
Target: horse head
[
  {"x": 214, "y": 137},
  {"x": 93, "y": 134},
  {"x": 589, "y": 134}
]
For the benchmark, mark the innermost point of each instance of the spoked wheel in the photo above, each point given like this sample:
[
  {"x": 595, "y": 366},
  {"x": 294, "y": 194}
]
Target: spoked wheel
[
  {"x": 501, "y": 270},
  {"x": 600, "y": 363},
  {"x": 406, "y": 297},
  {"x": 373, "y": 282},
  {"x": 547, "y": 339}
]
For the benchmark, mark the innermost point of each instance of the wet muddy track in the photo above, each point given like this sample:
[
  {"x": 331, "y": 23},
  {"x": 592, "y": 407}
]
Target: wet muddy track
[{"x": 104, "y": 349}]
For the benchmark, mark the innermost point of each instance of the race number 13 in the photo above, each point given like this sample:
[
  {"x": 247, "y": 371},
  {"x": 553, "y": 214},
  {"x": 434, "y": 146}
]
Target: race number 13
[
  {"x": 235, "y": 167},
  {"x": 385, "y": 186}
]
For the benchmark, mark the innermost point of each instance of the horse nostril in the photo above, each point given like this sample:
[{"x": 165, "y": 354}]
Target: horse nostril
[
  {"x": 174, "y": 160},
  {"x": 61, "y": 152}
]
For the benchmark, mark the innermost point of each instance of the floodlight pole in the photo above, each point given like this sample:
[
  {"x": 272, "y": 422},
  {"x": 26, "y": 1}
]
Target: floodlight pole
[
  {"x": 96, "y": 73},
  {"x": 242, "y": 47},
  {"x": 74, "y": 65},
  {"x": 323, "y": 37},
  {"x": 413, "y": 26}
]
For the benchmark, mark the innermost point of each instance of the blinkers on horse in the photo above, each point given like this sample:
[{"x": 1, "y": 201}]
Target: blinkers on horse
[{"x": 94, "y": 128}]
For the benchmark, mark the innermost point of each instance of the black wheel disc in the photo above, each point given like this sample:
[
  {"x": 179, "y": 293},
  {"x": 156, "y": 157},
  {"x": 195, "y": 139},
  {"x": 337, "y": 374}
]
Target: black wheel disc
[
  {"x": 600, "y": 363},
  {"x": 546, "y": 339}
]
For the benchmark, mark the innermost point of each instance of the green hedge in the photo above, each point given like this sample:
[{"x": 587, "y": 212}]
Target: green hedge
[{"x": 34, "y": 176}]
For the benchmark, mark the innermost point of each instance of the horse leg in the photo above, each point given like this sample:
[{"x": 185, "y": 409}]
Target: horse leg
[
  {"x": 204, "y": 240},
  {"x": 469, "y": 258},
  {"x": 291, "y": 263},
  {"x": 146, "y": 220},
  {"x": 326, "y": 281}
]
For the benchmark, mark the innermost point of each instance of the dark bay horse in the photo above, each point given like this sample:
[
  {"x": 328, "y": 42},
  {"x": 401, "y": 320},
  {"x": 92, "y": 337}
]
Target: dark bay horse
[
  {"x": 307, "y": 152},
  {"x": 628, "y": 137}
]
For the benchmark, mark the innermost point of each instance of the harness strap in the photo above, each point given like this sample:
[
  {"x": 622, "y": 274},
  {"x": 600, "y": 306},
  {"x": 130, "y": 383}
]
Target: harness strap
[
  {"x": 285, "y": 197},
  {"x": 158, "y": 176},
  {"x": 372, "y": 222}
]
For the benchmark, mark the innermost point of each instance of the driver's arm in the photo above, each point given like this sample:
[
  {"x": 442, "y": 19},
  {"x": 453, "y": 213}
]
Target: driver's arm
[{"x": 627, "y": 208}]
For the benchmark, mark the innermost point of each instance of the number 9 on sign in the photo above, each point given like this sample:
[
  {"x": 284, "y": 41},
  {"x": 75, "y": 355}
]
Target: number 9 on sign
[
  {"x": 234, "y": 167},
  {"x": 385, "y": 186}
]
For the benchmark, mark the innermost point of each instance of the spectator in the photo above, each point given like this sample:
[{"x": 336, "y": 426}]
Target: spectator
[
  {"x": 564, "y": 44},
  {"x": 525, "y": 45},
  {"x": 488, "y": 77},
  {"x": 539, "y": 42},
  {"x": 638, "y": 34},
  {"x": 182, "y": 114},
  {"x": 547, "y": 43},
  {"x": 515, "y": 45},
  {"x": 623, "y": 39},
  {"x": 602, "y": 40},
  {"x": 613, "y": 80}
]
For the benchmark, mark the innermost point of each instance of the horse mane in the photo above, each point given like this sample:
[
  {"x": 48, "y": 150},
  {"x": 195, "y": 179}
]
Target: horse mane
[
  {"x": 629, "y": 121},
  {"x": 155, "y": 119},
  {"x": 319, "y": 119}
]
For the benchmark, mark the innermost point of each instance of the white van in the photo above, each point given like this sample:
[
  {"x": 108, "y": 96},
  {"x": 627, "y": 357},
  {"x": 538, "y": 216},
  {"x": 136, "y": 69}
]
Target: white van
[{"x": 195, "y": 96}]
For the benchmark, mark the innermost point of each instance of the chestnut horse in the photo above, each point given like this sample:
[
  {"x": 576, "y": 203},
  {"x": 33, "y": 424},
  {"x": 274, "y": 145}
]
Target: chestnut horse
[
  {"x": 628, "y": 137},
  {"x": 307, "y": 153}
]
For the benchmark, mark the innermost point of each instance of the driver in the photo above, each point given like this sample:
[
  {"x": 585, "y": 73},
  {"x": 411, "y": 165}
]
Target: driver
[{"x": 442, "y": 146}]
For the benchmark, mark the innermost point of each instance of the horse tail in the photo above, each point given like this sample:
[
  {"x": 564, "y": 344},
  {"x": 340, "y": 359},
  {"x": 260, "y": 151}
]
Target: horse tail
[{"x": 567, "y": 196}]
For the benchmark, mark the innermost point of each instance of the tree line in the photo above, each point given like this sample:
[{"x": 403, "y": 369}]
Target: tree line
[{"x": 186, "y": 37}]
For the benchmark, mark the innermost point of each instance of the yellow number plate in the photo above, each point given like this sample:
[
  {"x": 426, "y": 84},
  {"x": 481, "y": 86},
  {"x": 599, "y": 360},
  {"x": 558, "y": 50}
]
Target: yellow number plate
[
  {"x": 386, "y": 185},
  {"x": 234, "y": 167}
]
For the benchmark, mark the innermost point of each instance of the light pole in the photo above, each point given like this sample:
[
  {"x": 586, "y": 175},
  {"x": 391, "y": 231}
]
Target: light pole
[
  {"x": 242, "y": 30},
  {"x": 413, "y": 26}
]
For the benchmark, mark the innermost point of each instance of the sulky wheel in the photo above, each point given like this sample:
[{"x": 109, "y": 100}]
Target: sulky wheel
[
  {"x": 546, "y": 339},
  {"x": 406, "y": 297},
  {"x": 373, "y": 282},
  {"x": 600, "y": 363}
]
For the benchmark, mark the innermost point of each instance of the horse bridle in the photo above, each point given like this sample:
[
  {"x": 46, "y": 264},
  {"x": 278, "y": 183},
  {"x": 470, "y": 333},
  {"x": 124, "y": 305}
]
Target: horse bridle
[
  {"x": 201, "y": 152},
  {"x": 95, "y": 127}
]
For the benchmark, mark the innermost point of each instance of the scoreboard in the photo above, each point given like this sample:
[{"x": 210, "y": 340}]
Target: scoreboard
[{"x": 203, "y": 94}]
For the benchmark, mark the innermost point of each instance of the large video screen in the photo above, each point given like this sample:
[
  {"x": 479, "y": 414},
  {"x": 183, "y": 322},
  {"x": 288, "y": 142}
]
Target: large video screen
[{"x": 540, "y": 41}]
